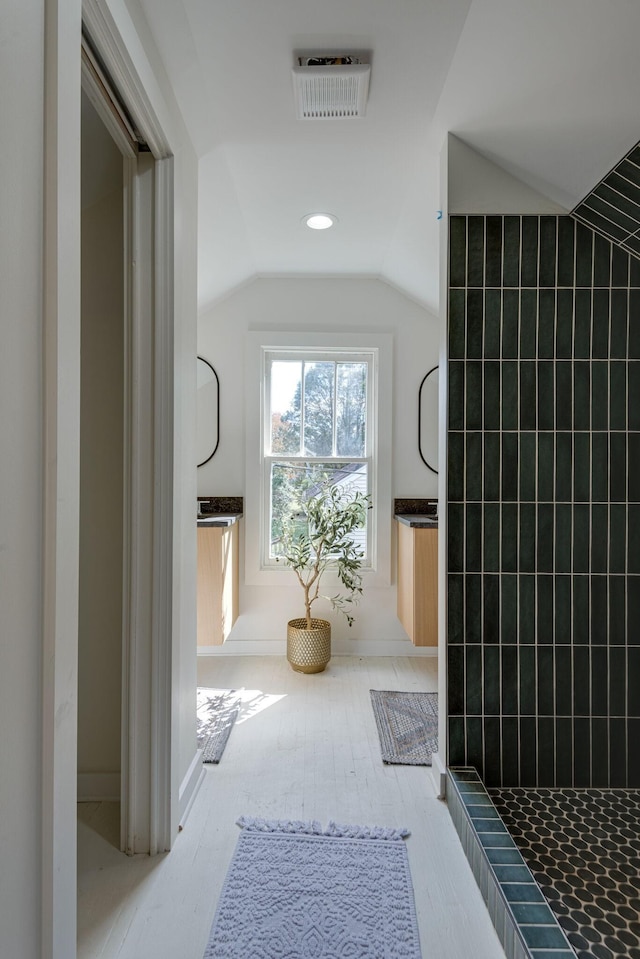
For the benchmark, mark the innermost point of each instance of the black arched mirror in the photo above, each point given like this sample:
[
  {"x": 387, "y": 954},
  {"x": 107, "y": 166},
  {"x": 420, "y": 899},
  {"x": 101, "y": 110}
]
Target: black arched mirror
[
  {"x": 208, "y": 411},
  {"x": 428, "y": 426}
]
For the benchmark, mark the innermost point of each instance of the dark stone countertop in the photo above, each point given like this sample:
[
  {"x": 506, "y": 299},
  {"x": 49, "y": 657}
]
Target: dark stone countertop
[
  {"x": 418, "y": 521},
  {"x": 219, "y": 511}
]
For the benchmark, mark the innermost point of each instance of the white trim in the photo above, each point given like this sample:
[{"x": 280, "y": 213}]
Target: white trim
[
  {"x": 98, "y": 787},
  {"x": 256, "y": 343},
  {"x": 189, "y": 787},
  {"x": 97, "y": 90},
  {"x": 349, "y": 647}
]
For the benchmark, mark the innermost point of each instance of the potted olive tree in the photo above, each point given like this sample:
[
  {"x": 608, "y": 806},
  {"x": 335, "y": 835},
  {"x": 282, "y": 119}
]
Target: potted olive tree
[{"x": 317, "y": 537}]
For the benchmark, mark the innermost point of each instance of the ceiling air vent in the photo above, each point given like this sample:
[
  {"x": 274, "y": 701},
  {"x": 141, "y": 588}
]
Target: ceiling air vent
[{"x": 330, "y": 88}]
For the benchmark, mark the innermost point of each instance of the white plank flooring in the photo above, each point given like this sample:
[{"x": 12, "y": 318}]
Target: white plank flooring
[{"x": 305, "y": 747}]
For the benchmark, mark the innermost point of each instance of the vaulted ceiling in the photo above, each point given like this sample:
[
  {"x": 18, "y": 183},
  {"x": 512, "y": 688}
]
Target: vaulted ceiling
[{"x": 548, "y": 90}]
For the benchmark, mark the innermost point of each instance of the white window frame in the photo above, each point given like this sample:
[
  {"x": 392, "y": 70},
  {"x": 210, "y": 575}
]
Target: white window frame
[{"x": 256, "y": 504}]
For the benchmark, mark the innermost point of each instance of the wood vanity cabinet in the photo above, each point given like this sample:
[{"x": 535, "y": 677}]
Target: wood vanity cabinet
[
  {"x": 418, "y": 583},
  {"x": 217, "y": 583}
]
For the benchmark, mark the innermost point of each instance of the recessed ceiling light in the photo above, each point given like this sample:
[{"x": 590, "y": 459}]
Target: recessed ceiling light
[{"x": 319, "y": 221}]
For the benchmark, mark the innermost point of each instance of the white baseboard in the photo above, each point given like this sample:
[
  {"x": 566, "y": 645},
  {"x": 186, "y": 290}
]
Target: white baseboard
[
  {"x": 98, "y": 787},
  {"x": 189, "y": 787},
  {"x": 439, "y": 776},
  {"x": 349, "y": 647}
]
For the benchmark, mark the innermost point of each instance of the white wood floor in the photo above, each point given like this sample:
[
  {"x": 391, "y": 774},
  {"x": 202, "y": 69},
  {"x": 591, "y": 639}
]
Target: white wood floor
[{"x": 305, "y": 747}]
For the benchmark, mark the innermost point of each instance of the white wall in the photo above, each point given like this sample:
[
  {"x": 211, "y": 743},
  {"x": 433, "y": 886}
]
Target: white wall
[
  {"x": 101, "y": 461},
  {"x": 319, "y": 305},
  {"x": 21, "y": 475}
]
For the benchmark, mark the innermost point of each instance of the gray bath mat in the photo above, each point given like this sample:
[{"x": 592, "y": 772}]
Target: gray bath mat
[
  {"x": 407, "y": 726},
  {"x": 217, "y": 712}
]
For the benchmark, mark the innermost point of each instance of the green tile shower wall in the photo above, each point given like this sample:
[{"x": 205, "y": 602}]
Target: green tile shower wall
[{"x": 543, "y": 503}]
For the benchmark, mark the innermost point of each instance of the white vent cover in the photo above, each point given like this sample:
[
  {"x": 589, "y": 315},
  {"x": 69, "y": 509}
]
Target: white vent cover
[{"x": 332, "y": 91}]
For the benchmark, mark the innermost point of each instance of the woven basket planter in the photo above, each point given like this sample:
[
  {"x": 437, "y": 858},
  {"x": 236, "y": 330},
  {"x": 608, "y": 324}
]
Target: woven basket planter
[{"x": 308, "y": 650}]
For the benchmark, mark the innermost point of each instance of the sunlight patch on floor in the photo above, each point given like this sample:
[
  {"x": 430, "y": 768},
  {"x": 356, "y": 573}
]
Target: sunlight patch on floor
[{"x": 251, "y": 701}]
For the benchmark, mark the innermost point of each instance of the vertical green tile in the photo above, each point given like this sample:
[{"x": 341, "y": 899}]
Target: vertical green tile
[
  {"x": 455, "y": 608},
  {"x": 457, "y": 302},
  {"x": 455, "y": 537},
  {"x": 490, "y": 609},
  {"x": 455, "y": 680},
  {"x": 544, "y": 609},
  {"x": 530, "y": 227},
  {"x": 563, "y": 537},
  {"x": 511, "y": 253},
  {"x": 581, "y": 467},
  {"x": 546, "y": 467},
  {"x": 509, "y": 537},
  {"x": 633, "y": 395},
  {"x": 475, "y": 324},
  {"x": 633, "y": 691},
  {"x": 617, "y": 467},
  {"x": 618, "y": 395},
  {"x": 528, "y": 324},
  {"x": 475, "y": 251},
  {"x": 546, "y": 395},
  {"x": 509, "y": 660},
  {"x": 618, "y": 752},
  {"x": 581, "y": 680},
  {"x": 564, "y": 325},
  {"x": 617, "y": 537},
  {"x": 619, "y": 312},
  {"x": 562, "y": 609},
  {"x": 544, "y": 558},
  {"x": 546, "y": 324},
  {"x": 564, "y": 753},
  {"x": 473, "y": 680},
  {"x": 544, "y": 672},
  {"x": 527, "y": 538},
  {"x": 527, "y": 467},
  {"x": 633, "y": 610},
  {"x": 599, "y": 467},
  {"x": 491, "y": 703},
  {"x": 546, "y": 751},
  {"x": 475, "y": 744},
  {"x": 617, "y": 610},
  {"x": 492, "y": 395},
  {"x": 510, "y": 751},
  {"x": 601, "y": 262},
  {"x": 581, "y": 395},
  {"x": 473, "y": 467},
  {"x": 548, "y": 250},
  {"x": 599, "y": 537},
  {"x": 528, "y": 751},
  {"x": 582, "y": 752},
  {"x": 510, "y": 325},
  {"x": 564, "y": 396},
  {"x": 527, "y": 609},
  {"x": 491, "y": 467},
  {"x": 456, "y": 737},
  {"x": 492, "y": 323},
  {"x": 619, "y": 267},
  {"x": 599, "y": 396},
  {"x": 633, "y": 538},
  {"x": 599, "y": 744},
  {"x": 599, "y": 681},
  {"x": 527, "y": 679},
  {"x": 456, "y": 395},
  {"x": 581, "y": 634},
  {"x": 493, "y": 251},
  {"x": 473, "y": 608},
  {"x": 455, "y": 456},
  {"x": 599, "y": 600},
  {"x": 581, "y": 519},
  {"x": 528, "y": 399},
  {"x": 563, "y": 685},
  {"x": 492, "y": 751},
  {"x": 566, "y": 250},
  {"x": 458, "y": 251},
  {"x": 564, "y": 466},
  {"x": 634, "y": 271},
  {"x": 634, "y": 326},
  {"x": 600, "y": 343},
  {"x": 633, "y": 467},
  {"x": 584, "y": 255},
  {"x": 491, "y": 537},
  {"x": 582, "y": 335},
  {"x": 473, "y": 395},
  {"x": 509, "y": 467},
  {"x": 509, "y": 609},
  {"x": 509, "y": 396},
  {"x": 473, "y": 538}
]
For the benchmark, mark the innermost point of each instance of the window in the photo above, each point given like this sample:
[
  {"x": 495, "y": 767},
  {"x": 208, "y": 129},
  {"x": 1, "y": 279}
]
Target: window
[{"x": 318, "y": 419}]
